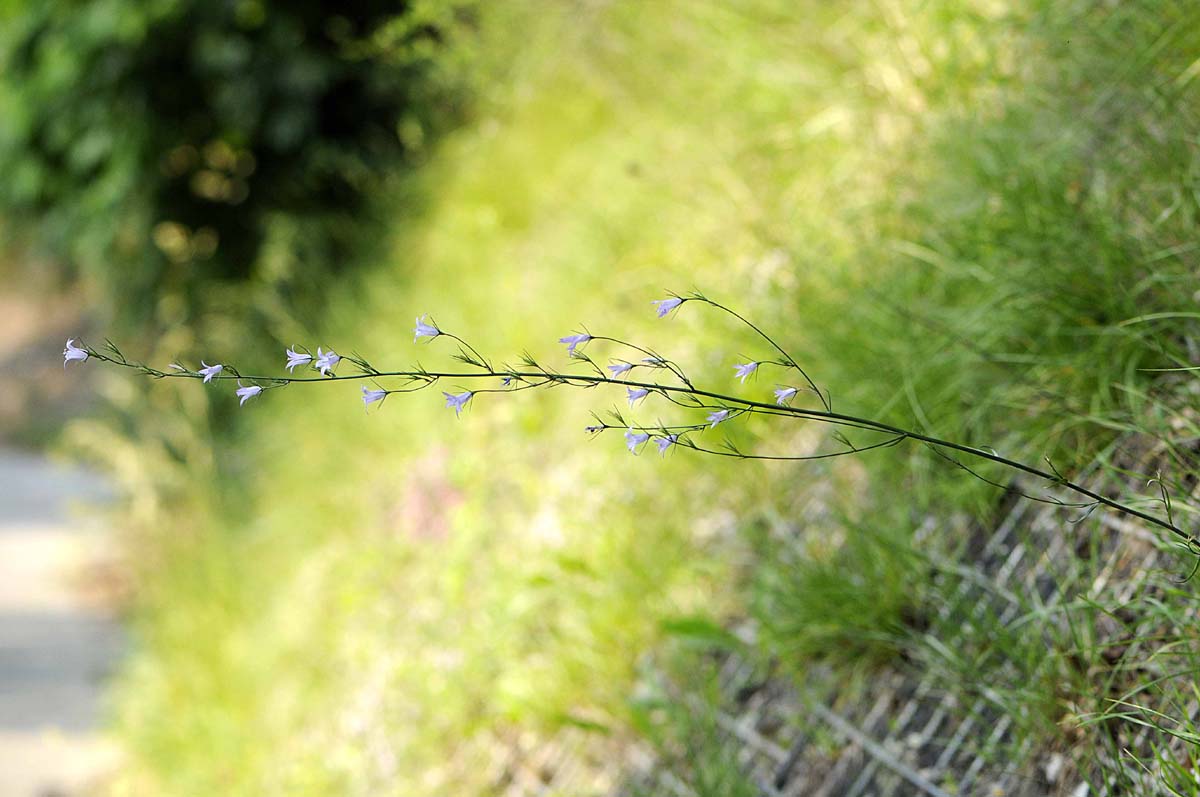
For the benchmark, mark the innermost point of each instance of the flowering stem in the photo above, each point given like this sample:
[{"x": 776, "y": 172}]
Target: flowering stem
[
  {"x": 787, "y": 357},
  {"x": 677, "y": 394}
]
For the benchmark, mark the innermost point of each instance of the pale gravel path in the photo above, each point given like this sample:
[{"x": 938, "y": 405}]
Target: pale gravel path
[{"x": 56, "y": 649}]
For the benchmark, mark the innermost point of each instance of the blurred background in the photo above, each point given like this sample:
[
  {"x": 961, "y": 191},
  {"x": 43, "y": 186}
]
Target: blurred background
[{"x": 976, "y": 219}]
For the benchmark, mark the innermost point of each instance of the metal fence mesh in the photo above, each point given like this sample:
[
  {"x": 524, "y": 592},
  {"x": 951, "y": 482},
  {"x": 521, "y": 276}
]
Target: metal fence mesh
[{"x": 915, "y": 732}]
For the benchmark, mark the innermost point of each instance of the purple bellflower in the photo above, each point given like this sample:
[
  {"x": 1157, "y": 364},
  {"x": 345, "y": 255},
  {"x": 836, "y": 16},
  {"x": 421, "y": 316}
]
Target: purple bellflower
[
  {"x": 73, "y": 352},
  {"x": 210, "y": 371},
  {"x": 297, "y": 358},
  {"x": 665, "y": 306},
  {"x": 574, "y": 340},
  {"x": 456, "y": 402},
  {"x": 247, "y": 393},
  {"x": 744, "y": 370}
]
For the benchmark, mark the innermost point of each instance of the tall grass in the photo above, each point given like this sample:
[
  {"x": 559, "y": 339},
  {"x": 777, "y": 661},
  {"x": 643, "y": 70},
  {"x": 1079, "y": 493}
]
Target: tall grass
[{"x": 956, "y": 219}]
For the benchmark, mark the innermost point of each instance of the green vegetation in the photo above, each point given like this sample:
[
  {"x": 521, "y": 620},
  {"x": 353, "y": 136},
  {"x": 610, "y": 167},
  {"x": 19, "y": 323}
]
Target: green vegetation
[{"x": 972, "y": 219}]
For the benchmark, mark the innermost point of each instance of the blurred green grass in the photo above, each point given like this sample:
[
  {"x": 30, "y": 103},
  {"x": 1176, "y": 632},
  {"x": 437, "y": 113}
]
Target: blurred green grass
[{"x": 944, "y": 209}]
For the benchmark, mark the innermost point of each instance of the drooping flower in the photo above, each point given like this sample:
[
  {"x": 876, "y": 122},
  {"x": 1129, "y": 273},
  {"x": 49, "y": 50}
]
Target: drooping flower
[
  {"x": 246, "y": 393},
  {"x": 744, "y": 370},
  {"x": 717, "y": 417},
  {"x": 297, "y": 358},
  {"x": 210, "y": 371},
  {"x": 619, "y": 368},
  {"x": 784, "y": 394},
  {"x": 369, "y": 396},
  {"x": 424, "y": 330},
  {"x": 326, "y": 360},
  {"x": 457, "y": 402},
  {"x": 667, "y": 305},
  {"x": 664, "y": 443},
  {"x": 634, "y": 439},
  {"x": 574, "y": 340},
  {"x": 73, "y": 352},
  {"x": 636, "y": 394}
]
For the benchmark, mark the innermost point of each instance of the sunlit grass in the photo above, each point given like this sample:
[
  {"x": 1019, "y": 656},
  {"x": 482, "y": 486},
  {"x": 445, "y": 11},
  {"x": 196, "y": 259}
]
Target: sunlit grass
[{"x": 382, "y": 598}]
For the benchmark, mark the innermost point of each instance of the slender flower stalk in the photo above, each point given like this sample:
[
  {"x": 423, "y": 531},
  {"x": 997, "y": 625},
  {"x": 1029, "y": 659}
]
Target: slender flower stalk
[{"x": 687, "y": 396}]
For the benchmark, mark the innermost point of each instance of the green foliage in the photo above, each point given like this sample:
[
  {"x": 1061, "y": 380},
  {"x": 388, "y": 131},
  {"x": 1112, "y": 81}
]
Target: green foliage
[
  {"x": 952, "y": 218},
  {"x": 154, "y": 145}
]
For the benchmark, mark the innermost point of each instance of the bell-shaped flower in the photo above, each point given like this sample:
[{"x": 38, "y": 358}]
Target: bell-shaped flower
[
  {"x": 619, "y": 368},
  {"x": 666, "y": 442},
  {"x": 634, "y": 439},
  {"x": 73, "y": 352},
  {"x": 297, "y": 358},
  {"x": 456, "y": 402},
  {"x": 784, "y": 394},
  {"x": 744, "y": 370},
  {"x": 636, "y": 394},
  {"x": 574, "y": 340},
  {"x": 246, "y": 393},
  {"x": 210, "y": 371},
  {"x": 667, "y": 305},
  {"x": 369, "y": 396},
  {"x": 425, "y": 330},
  {"x": 326, "y": 360},
  {"x": 717, "y": 417}
]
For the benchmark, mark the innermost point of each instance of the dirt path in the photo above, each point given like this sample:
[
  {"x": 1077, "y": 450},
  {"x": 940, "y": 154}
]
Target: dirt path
[{"x": 56, "y": 648}]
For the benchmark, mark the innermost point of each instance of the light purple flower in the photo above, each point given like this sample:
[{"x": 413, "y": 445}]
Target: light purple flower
[
  {"x": 636, "y": 394},
  {"x": 784, "y": 394},
  {"x": 619, "y": 368},
  {"x": 73, "y": 352},
  {"x": 634, "y": 439},
  {"x": 369, "y": 397},
  {"x": 717, "y": 417},
  {"x": 424, "y": 330},
  {"x": 574, "y": 340},
  {"x": 246, "y": 393},
  {"x": 457, "y": 402},
  {"x": 667, "y": 305},
  {"x": 210, "y": 371},
  {"x": 297, "y": 358},
  {"x": 326, "y": 360},
  {"x": 664, "y": 443},
  {"x": 744, "y": 370}
]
